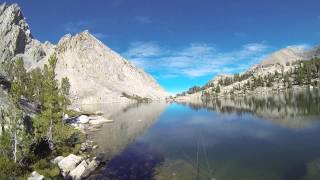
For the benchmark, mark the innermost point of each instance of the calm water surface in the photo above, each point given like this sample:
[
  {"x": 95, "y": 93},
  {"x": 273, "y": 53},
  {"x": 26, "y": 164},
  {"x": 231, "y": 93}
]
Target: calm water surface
[{"x": 274, "y": 137}]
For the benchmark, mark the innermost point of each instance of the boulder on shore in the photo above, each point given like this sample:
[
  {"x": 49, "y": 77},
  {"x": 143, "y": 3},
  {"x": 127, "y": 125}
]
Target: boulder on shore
[
  {"x": 36, "y": 176},
  {"x": 83, "y": 119},
  {"x": 68, "y": 163},
  {"x": 92, "y": 165},
  {"x": 77, "y": 173},
  {"x": 57, "y": 160}
]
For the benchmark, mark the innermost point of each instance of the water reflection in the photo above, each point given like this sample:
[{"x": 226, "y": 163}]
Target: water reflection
[
  {"x": 130, "y": 122},
  {"x": 251, "y": 138},
  {"x": 294, "y": 109}
]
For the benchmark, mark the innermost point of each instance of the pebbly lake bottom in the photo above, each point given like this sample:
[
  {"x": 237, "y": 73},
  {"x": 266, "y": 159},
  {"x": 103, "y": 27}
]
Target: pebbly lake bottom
[{"x": 269, "y": 138}]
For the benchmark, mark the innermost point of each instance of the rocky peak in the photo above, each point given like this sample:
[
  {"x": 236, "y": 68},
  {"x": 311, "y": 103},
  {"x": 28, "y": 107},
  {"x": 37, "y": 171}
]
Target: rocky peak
[
  {"x": 14, "y": 31},
  {"x": 83, "y": 40},
  {"x": 283, "y": 56},
  {"x": 97, "y": 74},
  {"x": 12, "y": 15},
  {"x": 16, "y": 39}
]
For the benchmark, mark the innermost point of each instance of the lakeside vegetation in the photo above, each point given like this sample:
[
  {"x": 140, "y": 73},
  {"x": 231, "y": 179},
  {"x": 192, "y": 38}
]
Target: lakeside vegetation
[{"x": 28, "y": 140}]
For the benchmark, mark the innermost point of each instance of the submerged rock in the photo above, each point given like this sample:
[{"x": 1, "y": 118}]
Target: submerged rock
[{"x": 99, "y": 120}]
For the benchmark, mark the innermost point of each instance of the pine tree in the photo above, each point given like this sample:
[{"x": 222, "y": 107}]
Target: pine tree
[
  {"x": 35, "y": 88},
  {"x": 20, "y": 81},
  {"x": 14, "y": 139},
  {"x": 49, "y": 125},
  {"x": 218, "y": 89}
]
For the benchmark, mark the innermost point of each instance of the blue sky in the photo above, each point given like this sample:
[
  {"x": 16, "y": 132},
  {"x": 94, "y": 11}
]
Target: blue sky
[{"x": 182, "y": 42}]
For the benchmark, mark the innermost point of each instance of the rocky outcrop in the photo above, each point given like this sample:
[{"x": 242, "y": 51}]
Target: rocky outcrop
[
  {"x": 97, "y": 74},
  {"x": 76, "y": 167},
  {"x": 69, "y": 163}
]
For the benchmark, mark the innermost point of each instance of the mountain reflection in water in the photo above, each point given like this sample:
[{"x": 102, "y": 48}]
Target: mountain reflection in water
[{"x": 249, "y": 138}]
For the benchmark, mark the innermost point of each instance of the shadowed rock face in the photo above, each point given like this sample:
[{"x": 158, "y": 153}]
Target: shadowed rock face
[
  {"x": 96, "y": 73},
  {"x": 130, "y": 122}
]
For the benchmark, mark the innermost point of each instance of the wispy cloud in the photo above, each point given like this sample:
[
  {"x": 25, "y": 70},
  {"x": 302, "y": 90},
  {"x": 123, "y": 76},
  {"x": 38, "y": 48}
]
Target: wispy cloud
[
  {"x": 301, "y": 47},
  {"x": 100, "y": 35},
  {"x": 79, "y": 26},
  {"x": 140, "y": 49},
  {"x": 194, "y": 60},
  {"x": 143, "y": 19}
]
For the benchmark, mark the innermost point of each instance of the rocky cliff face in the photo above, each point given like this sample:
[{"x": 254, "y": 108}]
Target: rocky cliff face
[{"x": 96, "y": 73}]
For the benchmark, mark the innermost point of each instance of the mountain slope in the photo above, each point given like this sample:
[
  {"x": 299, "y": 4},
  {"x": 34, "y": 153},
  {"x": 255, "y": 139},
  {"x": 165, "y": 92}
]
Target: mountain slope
[
  {"x": 96, "y": 73},
  {"x": 283, "y": 69},
  {"x": 284, "y": 56}
]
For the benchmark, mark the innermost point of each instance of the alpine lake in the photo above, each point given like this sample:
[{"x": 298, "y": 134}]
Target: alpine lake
[{"x": 264, "y": 137}]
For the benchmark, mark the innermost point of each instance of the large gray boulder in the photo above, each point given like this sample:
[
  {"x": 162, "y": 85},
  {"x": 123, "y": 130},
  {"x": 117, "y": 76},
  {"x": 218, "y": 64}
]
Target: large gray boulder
[
  {"x": 35, "y": 176},
  {"x": 92, "y": 166},
  {"x": 57, "y": 160},
  {"x": 69, "y": 163},
  {"x": 78, "y": 172}
]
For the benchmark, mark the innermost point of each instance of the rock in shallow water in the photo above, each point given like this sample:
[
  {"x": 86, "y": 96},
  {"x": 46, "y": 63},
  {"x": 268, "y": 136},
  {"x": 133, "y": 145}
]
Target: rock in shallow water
[{"x": 98, "y": 120}]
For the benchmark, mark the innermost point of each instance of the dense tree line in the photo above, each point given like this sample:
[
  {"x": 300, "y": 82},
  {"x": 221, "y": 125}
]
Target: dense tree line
[{"x": 24, "y": 148}]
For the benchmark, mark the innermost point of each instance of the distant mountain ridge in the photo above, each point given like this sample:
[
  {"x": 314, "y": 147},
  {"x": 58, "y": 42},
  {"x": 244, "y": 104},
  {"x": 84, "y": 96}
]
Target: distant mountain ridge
[
  {"x": 96, "y": 73},
  {"x": 276, "y": 72}
]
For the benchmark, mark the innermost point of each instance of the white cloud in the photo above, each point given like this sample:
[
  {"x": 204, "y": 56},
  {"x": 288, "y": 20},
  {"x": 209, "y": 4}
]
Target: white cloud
[
  {"x": 301, "y": 46},
  {"x": 143, "y": 20},
  {"x": 79, "y": 26},
  {"x": 143, "y": 49},
  {"x": 100, "y": 35},
  {"x": 195, "y": 60}
]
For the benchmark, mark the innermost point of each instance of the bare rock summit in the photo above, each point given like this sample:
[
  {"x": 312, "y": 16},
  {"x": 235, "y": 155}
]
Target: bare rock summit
[{"x": 97, "y": 74}]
